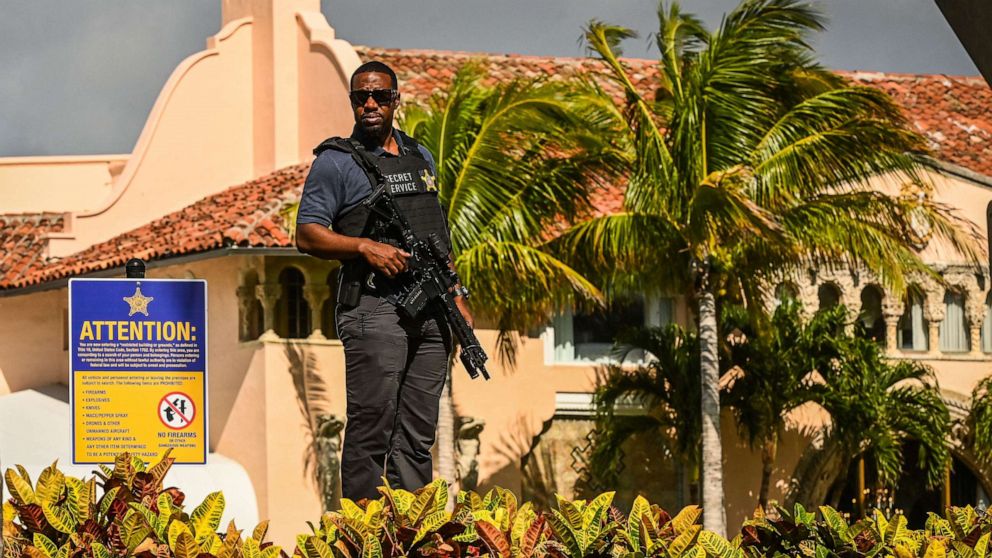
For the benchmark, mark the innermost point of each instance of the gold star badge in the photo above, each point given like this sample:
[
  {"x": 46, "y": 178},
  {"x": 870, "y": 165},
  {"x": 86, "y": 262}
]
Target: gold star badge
[
  {"x": 138, "y": 302},
  {"x": 429, "y": 181}
]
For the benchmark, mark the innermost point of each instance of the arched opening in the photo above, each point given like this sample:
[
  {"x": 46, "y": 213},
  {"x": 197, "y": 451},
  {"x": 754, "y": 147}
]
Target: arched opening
[
  {"x": 912, "y": 496},
  {"x": 828, "y": 295},
  {"x": 954, "y": 336},
  {"x": 327, "y": 321},
  {"x": 252, "y": 321},
  {"x": 785, "y": 292},
  {"x": 871, "y": 324},
  {"x": 293, "y": 311},
  {"x": 912, "y": 332}
]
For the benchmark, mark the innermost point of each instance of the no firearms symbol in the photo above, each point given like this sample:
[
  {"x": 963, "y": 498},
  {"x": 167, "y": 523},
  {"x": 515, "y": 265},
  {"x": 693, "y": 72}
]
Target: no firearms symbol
[{"x": 176, "y": 410}]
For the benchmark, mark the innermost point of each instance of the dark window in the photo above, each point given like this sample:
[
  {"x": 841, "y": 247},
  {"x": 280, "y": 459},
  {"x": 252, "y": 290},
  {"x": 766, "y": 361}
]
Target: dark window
[
  {"x": 294, "y": 322},
  {"x": 602, "y": 326},
  {"x": 829, "y": 296},
  {"x": 871, "y": 325}
]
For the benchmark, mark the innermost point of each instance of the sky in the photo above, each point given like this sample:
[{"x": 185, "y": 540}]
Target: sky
[{"x": 80, "y": 77}]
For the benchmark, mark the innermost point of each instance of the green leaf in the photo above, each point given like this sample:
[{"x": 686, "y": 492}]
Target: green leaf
[
  {"x": 639, "y": 509},
  {"x": 592, "y": 518},
  {"x": 371, "y": 547},
  {"x": 717, "y": 546},
  {"x": 570, "y": 513},
  {"x": 59, "y": 517},
  {"x": 108, "y": 499},
  {"x": 422, "y": 505},
  {"x": 77, "y": 499},
  {"x": 205, "y": 518},
  {"x": 316, "y": 548},
  {"x": 164, "y": 503},
  {"x": 835, "y": 521},
  {"x": 51, "y": 482},
  {"x": 563, "y": 529},
  {"x": 134, "y": 529},
  {"x": 431, "y": 523},
  {"x": 45, "y": 545},
  {"x": 100, "y": 551},
  {"x": 20, "y": 488},
  {"x": 685, "y": 539}
]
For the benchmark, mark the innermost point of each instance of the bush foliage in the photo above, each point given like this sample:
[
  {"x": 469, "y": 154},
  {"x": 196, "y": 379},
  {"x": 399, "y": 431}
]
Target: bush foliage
[{"x": 126, "y": 511}]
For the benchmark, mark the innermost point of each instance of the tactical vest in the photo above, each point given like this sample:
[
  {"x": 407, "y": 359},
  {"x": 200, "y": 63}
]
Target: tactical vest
[{"x": 413, "y": 187}]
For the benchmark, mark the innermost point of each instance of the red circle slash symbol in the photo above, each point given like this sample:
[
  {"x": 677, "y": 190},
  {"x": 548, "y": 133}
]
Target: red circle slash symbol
[{"x": 176, "y": 410}]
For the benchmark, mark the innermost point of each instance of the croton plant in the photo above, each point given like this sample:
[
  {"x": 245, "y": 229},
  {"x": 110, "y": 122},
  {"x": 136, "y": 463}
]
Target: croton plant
[{"x": 127, "y": 511}]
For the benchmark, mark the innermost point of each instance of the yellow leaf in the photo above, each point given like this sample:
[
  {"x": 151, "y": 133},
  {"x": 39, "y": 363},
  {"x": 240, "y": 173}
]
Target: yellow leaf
[
  {"x": 205, "y": 519},
  {"x": 20, "y": 488},
  {"x": 935, "y": 550},
  {"x": 59, "y": 518}
]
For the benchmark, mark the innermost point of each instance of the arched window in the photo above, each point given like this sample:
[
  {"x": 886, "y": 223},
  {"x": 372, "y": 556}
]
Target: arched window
[
  {"x": 870, "y": 321},
  {"x": 253, "y": 321},
  {"x": 293, "y": 314},
  {"x": 327, "y": 324},
  {"x": 785, "y": 292},
  {"x": 829, "y": 295},
  {"x": 954, "y": 328},
  {"x": 987, "y": 326},
  {"x": 912, "y": 332}
]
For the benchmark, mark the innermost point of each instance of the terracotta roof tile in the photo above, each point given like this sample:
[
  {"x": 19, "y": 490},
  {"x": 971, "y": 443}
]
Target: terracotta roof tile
[
  {"x": 22, "y": 244},
  {"x": 955, "y": 113},
  {"x": 245, "y": 215}
]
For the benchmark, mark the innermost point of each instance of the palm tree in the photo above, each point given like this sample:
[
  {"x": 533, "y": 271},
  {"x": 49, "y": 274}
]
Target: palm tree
[
  {"x": 876, "y": 405},
  {"x": 773, "y": 365},
  {"x": 516, "y": 162},
  {"x": 750, "y": 161},
  {"x": 666, "y": 386},
  {"x": 978, "y": 424}
]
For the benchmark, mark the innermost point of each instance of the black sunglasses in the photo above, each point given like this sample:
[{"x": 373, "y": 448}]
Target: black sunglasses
[{"x": 382, "y": 96}]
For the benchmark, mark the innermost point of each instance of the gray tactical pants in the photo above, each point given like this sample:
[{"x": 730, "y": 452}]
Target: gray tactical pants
[{"x": 394, "y": 372}]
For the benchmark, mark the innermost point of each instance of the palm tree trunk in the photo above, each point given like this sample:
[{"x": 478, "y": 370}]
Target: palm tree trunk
[
  {"x": 446, "y": 458},
  {"x": 714, "y": 515},
  {"x": 862, "y": 509},
  {"x": 769, "y": 451}
]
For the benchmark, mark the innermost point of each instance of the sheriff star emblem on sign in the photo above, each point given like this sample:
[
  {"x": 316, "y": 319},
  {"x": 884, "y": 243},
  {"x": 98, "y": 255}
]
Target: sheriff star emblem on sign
[{"x": 138, "y": 302}]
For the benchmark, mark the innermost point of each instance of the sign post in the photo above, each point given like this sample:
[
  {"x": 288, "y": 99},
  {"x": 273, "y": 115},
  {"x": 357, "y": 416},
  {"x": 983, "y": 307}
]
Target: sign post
[{"x": 138, "y": 368}]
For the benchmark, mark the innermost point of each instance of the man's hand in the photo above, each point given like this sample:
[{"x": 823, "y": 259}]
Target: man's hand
[
  {"x": 384, "y": 258},
  {"x": 462, "y": 305}
]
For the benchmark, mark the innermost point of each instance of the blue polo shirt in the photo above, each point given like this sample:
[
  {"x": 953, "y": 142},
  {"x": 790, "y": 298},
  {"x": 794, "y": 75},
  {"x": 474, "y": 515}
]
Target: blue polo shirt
[{"x": 336, "y": 183}]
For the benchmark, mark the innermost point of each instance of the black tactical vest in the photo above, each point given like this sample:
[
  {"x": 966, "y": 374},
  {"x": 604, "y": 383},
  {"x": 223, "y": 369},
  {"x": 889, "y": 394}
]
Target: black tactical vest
[{"x": 413, "y": 187}]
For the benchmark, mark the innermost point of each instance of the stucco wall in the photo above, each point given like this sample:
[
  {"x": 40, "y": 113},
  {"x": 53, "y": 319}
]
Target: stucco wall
[
  {"x": 32, "y": 337},
  {"x": 36, "y": 184}
]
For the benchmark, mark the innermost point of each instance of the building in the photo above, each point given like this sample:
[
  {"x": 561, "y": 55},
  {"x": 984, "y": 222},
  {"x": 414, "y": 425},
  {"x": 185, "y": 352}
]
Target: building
[{"x": 225, "y": 149}]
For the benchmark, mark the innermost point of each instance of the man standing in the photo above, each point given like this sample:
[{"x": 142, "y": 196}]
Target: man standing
[{"x": 395, "y": 366}]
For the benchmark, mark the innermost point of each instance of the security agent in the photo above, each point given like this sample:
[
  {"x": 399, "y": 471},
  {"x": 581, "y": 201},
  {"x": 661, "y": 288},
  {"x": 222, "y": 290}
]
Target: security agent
[{"x": 395, "y": 366}]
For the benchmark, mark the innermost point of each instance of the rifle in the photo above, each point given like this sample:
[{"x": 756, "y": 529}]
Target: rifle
[{"x": 434, "y": 278}]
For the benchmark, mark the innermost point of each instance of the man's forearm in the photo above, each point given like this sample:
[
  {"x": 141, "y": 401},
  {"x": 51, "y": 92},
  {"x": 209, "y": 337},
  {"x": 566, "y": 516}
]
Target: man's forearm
[{"x": 320, "y": 241}]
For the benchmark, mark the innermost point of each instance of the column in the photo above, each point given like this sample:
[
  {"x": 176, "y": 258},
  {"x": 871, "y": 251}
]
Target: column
[
  {"x": 891, "y": 334},
  {"x": 246, "y": 296},
  {"x": 316, "y": 295},
  {"x": 268, "y": 294}
]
